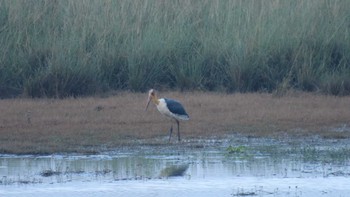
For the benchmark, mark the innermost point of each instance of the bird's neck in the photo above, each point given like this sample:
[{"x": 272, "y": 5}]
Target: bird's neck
[{"x": 155, "y": 100}]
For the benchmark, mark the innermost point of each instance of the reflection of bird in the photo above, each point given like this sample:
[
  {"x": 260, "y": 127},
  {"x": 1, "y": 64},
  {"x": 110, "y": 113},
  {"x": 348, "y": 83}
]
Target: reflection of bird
[{"x": 170, "y": 108}]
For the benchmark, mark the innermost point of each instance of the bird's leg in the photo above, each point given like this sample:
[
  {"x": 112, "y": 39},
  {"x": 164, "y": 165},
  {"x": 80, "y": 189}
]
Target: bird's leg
[
  {"x": 178, "y": 130},
  {"x": 170, "y": 132}
]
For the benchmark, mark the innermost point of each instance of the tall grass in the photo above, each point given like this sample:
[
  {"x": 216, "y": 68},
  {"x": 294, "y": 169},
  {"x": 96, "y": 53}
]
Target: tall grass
[{"x": 58, "y": 48}]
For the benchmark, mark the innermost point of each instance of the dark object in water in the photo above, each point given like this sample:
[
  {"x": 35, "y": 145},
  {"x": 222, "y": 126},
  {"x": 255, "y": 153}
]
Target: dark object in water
[
  {"x": 174, "y": 170},
  {"x": 48, "y": 173}
]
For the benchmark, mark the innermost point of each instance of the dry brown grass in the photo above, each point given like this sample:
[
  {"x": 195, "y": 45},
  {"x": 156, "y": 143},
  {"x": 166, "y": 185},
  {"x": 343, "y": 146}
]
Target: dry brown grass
[{"x": 95, "y": 124}]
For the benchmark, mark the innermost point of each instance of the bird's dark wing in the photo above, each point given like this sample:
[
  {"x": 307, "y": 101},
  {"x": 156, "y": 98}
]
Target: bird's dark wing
[{"x": 175, "y": 107}]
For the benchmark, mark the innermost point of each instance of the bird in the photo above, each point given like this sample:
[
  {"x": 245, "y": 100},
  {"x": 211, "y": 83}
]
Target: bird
[{"x": 169, "y": 108}]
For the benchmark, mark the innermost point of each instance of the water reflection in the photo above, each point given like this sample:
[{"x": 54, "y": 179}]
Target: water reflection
[{"x": 256, "y": 170}]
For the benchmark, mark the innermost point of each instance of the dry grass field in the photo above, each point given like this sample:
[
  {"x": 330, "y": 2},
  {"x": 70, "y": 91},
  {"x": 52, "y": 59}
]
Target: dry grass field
[{"x": 93, "y": 124}]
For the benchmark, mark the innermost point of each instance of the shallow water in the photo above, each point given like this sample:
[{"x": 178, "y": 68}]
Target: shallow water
[{"x": 258, "y": 168}]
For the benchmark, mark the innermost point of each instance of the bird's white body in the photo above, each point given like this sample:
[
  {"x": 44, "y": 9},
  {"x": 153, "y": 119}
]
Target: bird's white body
[{"x": 163, "y": 109}]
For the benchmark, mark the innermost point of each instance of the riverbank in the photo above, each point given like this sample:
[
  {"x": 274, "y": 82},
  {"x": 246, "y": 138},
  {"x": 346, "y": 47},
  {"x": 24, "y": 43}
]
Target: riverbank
[{"x": 94, "y": 124}]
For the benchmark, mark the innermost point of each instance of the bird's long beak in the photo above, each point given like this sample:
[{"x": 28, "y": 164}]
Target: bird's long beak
[{"x": 148, "y": 101}]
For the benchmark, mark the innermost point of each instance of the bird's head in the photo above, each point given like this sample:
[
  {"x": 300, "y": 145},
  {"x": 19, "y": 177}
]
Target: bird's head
[{"x": 151, "y": 96}]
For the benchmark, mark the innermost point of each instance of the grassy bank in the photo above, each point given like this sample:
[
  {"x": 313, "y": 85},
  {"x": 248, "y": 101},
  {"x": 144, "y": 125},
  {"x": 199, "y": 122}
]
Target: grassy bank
[
  {"x": 97, "y": 124},
  {"x": 59, "y": 48},
  {"x": 67, "y": 47}
]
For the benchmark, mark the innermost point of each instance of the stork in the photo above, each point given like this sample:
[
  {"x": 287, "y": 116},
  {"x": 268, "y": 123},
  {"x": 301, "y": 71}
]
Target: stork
[{"x": 170, "y": 108}]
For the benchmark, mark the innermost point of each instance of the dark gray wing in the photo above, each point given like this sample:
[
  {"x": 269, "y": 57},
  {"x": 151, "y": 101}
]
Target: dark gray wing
[{"x": 175, "y": 107}]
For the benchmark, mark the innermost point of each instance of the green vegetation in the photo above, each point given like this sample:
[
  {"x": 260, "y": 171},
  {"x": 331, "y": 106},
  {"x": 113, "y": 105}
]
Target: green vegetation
[
  {"x": 238, "y": 149},
  {"x": 58, "y": 48}
]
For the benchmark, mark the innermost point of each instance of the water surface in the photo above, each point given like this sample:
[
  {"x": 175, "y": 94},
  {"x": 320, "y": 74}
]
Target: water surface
[{"x": 250, "y": 167}]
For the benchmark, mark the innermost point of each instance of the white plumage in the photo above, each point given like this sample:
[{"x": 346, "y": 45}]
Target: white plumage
[{"x": 163, "y": 108}]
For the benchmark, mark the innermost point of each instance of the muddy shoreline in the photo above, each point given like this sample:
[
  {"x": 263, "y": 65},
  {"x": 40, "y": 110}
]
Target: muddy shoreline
[{"x": 93, "y": 125}]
